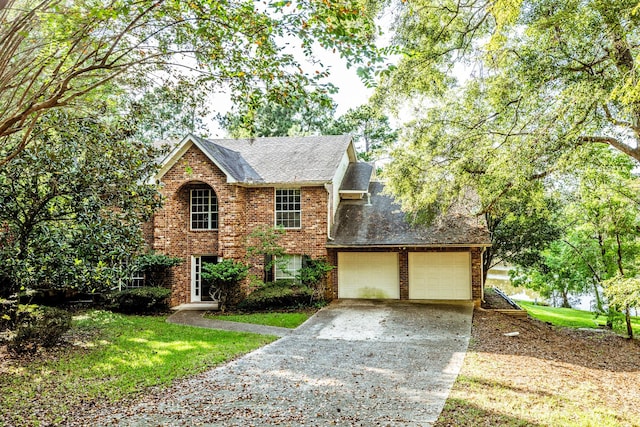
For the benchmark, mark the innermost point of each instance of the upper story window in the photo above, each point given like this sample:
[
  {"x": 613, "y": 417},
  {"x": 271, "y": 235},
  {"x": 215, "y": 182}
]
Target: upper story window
[
  {"x": 288, "y": 208},
  {"x": 204, "y": 209}
]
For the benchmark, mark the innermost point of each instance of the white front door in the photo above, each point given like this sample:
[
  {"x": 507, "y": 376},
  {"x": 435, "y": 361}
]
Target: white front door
[{"x": 199, "y": 288}]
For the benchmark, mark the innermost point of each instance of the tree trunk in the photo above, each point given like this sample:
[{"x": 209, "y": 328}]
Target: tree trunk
[
  {"x": 599, "y": 307},
  {"x": 627, "y": 318},
  {"x": 565, "y": 298},
  {"x": 487, "y": 259}
]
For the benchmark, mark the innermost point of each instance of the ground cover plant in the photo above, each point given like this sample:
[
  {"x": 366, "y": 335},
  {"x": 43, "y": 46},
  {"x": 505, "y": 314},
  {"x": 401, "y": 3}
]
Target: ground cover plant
[
  {"x": 544, "y": 376},
  {"x": 282, "y": 319},
  {"x": 113, "y": 357},
  {"x": 573, "y": 318}
]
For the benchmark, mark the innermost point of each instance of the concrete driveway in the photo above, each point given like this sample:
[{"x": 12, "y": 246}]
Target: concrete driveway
[{"x": 353, "y": 363}]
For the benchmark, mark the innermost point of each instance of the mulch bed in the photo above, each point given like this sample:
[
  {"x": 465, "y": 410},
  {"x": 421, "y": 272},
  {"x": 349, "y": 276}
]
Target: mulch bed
[{"x": 580, "y": 369}]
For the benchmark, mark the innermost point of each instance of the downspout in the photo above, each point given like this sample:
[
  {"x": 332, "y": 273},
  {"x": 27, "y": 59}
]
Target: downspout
[{"x": 329, "y": 187}]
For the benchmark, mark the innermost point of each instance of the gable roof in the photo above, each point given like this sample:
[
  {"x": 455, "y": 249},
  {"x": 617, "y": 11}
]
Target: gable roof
[
  {"x": 276, "y": 160},
  {"x": 382, "y": 223},
  {"x": 357, "y": 177}
]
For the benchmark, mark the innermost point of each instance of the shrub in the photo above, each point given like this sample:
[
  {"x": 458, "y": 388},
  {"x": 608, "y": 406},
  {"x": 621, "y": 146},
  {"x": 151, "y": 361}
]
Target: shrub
[
  {"x": 38, "y": 326},
  {"x": 313, "y": 274},
  {"x": 155, "y": 267},
  {"x": 225, "y": 277},
  {"x": 276, "y": 295},
  {"x": 140, "y": 300}
]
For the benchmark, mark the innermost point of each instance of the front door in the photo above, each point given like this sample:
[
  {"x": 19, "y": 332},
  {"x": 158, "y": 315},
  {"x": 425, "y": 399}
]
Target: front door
[{"x": 200, "y": 289}]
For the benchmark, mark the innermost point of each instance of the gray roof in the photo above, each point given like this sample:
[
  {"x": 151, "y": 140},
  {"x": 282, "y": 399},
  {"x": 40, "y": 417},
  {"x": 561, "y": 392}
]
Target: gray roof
[
  {"x": 382, "y": 223},
  {"x": 311, "y": 159},
  {"x": 357, "y": 177},
  {"x": 231, "y": 161}
]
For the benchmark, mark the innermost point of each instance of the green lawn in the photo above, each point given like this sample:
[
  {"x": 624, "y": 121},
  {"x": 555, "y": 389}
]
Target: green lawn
[
  {"x": 569, "y": 317},
  {"x": 282, "y": 319},
  {"x": 114, "y": 357}
]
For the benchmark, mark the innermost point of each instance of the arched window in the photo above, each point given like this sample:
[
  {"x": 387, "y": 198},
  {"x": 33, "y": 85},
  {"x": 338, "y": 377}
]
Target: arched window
[{"x": 204, "y": 209}]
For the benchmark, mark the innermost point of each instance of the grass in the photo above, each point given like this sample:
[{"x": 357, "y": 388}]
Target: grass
[
  {"x": 289, "y": 320},
  {"x": 571, "y": 318},
  {"x": 114, "y": 357}
]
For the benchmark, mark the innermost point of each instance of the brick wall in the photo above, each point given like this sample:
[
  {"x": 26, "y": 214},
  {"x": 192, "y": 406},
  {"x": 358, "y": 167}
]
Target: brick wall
[{"x": 240, "y": 210}]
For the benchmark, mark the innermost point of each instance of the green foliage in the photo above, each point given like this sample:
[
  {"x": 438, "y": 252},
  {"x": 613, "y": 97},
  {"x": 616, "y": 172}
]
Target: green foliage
[
  {"x": 313, "y": 271},
  {"x": 117, "y": 356},
  {"x": 623, "y": 291},
  {"x": 225, "y": 277},
  {"x": 37, "y": 326},
  {"x": 60, "y": 54},
  {"x": 71, "y": 205},
  {"x": 599, "y": 239},
  {"x": 139, "y": 300},
  {"x": 155, "y": 267},
  {"x": 276, "y": 295},
  {"x": 314, "y": 115},
  {"x": 548, "y": 76},
  {"x": 265, "y": 240}
]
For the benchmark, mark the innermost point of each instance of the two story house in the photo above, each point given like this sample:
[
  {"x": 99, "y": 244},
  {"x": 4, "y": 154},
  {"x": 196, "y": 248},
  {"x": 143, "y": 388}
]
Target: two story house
[{"x": 329, "y": 204}]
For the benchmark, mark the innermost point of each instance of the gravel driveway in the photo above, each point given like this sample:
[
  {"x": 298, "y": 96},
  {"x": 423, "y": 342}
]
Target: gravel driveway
[{"x": 353, "y": 363}]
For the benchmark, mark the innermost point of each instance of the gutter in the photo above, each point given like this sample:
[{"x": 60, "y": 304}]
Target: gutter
[{"x": 404, "y": 245}]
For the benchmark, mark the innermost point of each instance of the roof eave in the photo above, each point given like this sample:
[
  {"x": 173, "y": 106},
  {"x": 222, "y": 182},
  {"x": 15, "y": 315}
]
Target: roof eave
[
  {"x": 283, "y": 184},
  {"x": 177, "y": 153},
  {"x": 408, "y": 245}
]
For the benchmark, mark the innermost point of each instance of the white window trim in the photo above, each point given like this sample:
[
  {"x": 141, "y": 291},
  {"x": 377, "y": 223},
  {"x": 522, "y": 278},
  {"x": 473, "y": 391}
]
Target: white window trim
[
  {"x": 137, "y": 276},
  {"x": 275, "y": 208},
  {"x": 212, "y": 194},
  {"x": 196, "y": 276},
  {"x": 288, "y": 274}
]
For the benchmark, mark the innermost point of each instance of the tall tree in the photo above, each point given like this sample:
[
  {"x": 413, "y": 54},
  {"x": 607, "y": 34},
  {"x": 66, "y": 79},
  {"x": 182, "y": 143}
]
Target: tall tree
[
  {"x": 547, "y": 77},
  {"x": 54, "y": 53},
  {"x": 600, "y": 242},
  {"x": 314, "y": 114},
  {"x": 71, "y": 204}
]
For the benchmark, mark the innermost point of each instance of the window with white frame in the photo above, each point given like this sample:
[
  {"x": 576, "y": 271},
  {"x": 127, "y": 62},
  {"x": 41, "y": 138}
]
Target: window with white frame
[
  {"x": 204, "y": 209},
  {"x": 287, "y": 266},
  {"x": 137, "y": 279},
  {"x": 288, "y": 208}
]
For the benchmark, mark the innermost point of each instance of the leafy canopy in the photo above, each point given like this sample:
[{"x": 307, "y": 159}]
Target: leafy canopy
[{"x": 55, "y": 54}]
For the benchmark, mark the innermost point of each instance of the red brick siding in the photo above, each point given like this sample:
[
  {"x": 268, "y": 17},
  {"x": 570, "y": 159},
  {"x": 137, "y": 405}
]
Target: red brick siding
[{"x": 240, "y": 210}]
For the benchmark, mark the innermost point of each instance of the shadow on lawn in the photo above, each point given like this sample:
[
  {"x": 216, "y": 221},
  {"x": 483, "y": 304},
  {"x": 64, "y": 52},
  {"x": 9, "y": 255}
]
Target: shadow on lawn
[{"x": 459, "y": 412}]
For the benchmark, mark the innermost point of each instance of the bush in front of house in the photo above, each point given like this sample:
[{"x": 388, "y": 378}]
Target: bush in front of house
[
  {"x": 36, "y": 326},
  {"x": 139, "y": 300},
  {"x": 313, "y": 274},
  {"x": 155, "y": 267},
  {"x": 225, "y": 277},
  {"x": 278, "y": 294}
]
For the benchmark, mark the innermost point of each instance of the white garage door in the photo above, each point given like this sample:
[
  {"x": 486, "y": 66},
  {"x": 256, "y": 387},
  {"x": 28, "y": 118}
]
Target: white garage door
[
  {"x": 440, "y": 275},
  {"x": 368, "y": 275}
]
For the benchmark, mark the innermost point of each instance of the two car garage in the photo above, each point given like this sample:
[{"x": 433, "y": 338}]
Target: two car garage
[{"x": 437, "y": 275}]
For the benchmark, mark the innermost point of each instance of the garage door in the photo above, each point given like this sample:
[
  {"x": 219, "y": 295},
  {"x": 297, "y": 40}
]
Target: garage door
[
  {"x": 368, "y": 275},
  {"x": 440, "y": 275}
]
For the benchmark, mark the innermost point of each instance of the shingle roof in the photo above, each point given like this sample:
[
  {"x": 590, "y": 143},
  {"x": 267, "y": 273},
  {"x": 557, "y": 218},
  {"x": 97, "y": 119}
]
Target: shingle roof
[
  {"x": 357, "y": 177},
  {"x": 382, "y": 223},
  {"x": 230, "y": 161},
  {"x": 311, "y": 159}
]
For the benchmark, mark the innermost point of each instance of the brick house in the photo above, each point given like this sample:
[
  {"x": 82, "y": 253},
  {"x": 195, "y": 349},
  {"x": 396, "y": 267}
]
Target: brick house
[{"x": 330, "y": 205}]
